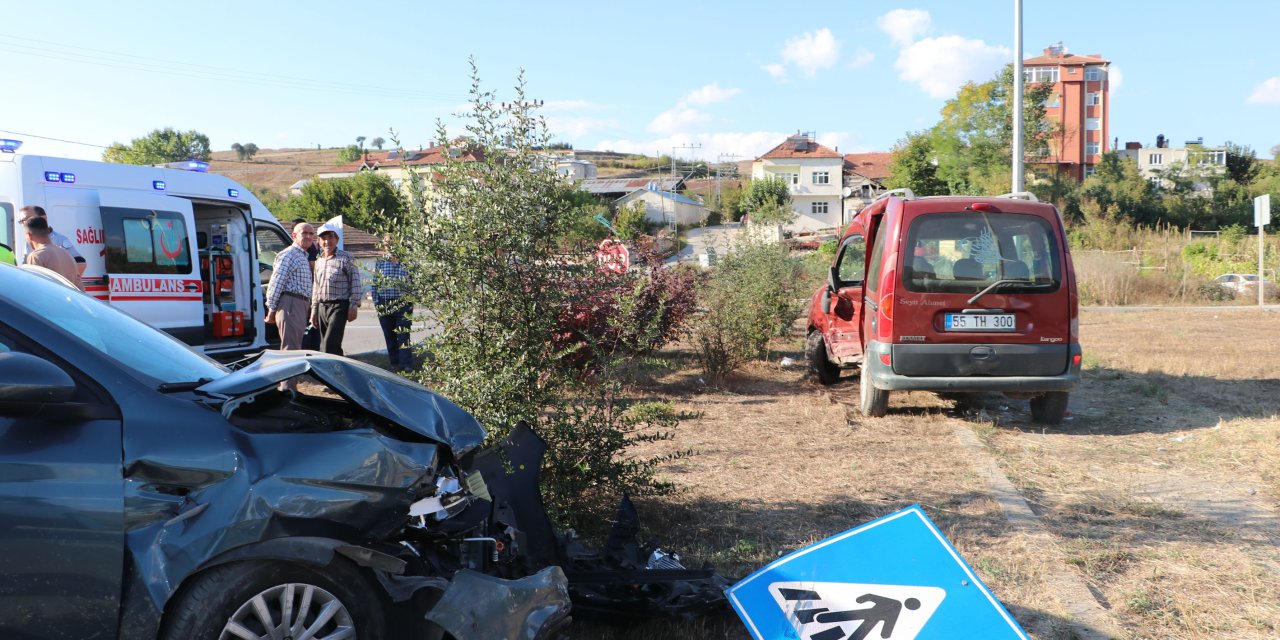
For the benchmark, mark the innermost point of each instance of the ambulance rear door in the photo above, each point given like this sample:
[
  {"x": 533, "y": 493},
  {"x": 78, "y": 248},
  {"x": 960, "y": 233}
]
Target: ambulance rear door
[{"x": 150, "y": 250}]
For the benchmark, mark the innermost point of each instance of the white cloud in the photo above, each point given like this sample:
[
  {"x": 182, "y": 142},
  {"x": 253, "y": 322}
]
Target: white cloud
[
  {"x": 940, "y": 66},
  {"x": 574, "y": 128},
  {"x": 710, "y": 94},
  {"x": 1115, "y": 78},
  {"x": 1268, "y": 92},
  {"x": 861, "y": 58},
  {"x": 776, "y": 70},
  {"x": 676, "y": 119},
  {"x": 812, "y": 51},
  {"x": 905, "y": 25}
]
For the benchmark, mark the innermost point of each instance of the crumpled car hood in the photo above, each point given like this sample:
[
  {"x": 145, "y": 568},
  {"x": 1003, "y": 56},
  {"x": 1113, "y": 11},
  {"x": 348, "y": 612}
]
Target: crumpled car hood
[{"x": 397, "y": 399}]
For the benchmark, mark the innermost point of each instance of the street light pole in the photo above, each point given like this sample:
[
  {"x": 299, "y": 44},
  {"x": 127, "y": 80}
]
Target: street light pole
[{"x": 1018, "y": 177}]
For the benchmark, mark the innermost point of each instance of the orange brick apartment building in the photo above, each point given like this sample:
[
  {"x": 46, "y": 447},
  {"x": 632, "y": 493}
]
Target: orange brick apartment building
[{"x": 1080, "y": 102}]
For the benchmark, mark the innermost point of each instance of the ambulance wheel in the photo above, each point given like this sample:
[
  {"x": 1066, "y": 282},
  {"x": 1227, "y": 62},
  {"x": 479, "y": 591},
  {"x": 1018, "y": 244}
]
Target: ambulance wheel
[
  {"x": 815, "y": 350},
  {"x": 873, "y": 402},
  {"x": 1049, "y": 408}
]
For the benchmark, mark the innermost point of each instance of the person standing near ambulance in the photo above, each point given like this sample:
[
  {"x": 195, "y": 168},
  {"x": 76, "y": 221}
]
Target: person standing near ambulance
[
  {"x": 32, "y": 211},
  {"x": 335, "y": 296},
  {"x": 47, "y": 254},
  {"x": 289, "y": 293}
]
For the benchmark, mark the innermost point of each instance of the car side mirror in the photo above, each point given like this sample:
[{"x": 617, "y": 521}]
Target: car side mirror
[
  {"x": 27, "y": 379},
  {"x": 826, "y": 302},
  {"x": 833, "y": 278}
]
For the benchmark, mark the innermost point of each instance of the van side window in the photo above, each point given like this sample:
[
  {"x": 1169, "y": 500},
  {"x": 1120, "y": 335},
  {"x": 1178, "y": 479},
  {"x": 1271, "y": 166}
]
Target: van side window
[
  {"x": 877, "y": 259},
  {"x": 145, "y": 241},
  {"x": 6, "y": 225},
  {"x": 270, "y": 242},
  {"x": 852, "y": 264}
]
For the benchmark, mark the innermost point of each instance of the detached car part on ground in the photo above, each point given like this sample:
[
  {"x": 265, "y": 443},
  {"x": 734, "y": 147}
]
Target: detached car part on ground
[{"x": 152, "y": 493}]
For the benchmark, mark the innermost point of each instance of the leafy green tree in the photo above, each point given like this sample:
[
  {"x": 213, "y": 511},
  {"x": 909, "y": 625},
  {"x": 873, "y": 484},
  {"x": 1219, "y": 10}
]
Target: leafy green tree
[
  {"x": 366, "y": 201},
  {"x": 349, "y": 153},
  {"x": 160, "y": 146},
  {"x": 631, "y": 223},
  {"x": 244, "y": 152},
  {"x": 1242, "y": 163},
  {"x": 378, "y": 143},
  {"x": 481, "y": 240},
  {"x": 915, "y": 166},
  {"x": 761, "y": 192},
  {"x": 360, "y": 142},
  {"x": 1120, "y": 193},
  {"x": 974, "y": 139}
]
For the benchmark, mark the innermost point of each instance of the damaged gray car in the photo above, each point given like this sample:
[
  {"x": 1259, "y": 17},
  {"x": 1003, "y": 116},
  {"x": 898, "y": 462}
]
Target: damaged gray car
[{"x": 148, "y": 492}]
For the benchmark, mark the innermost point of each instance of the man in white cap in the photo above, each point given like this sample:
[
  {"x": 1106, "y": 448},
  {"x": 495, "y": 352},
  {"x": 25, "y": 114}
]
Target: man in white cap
[{"x": 335, "y": 294}]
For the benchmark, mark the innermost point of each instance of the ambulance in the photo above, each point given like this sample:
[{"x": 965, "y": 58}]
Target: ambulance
[{"x": 183, "y": 250}]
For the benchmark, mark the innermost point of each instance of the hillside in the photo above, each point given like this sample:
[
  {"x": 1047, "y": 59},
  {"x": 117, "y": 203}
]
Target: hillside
[{"x": 274, "y": 169}]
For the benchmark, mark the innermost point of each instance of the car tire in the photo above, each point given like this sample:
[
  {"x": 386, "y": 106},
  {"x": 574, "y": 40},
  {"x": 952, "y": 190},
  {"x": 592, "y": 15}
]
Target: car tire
[
  {"x": 1049, "y": 408},
  {"x": 873, "y": 402},
  {"x": 234, "y": 594},
  {"x": 815, "y": 350}
]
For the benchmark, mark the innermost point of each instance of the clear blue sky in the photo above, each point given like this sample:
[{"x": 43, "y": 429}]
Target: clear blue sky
[{"x": 734, "y": 77}]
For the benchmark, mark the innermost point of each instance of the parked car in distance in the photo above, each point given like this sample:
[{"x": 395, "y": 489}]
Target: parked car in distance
[
  {"x": 1245, "y": 284},
  {"x": 951, "y": 294}
]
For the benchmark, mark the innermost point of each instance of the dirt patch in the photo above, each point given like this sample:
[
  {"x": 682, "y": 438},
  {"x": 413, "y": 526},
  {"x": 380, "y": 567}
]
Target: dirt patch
[{"x": 1160, "y": 492}]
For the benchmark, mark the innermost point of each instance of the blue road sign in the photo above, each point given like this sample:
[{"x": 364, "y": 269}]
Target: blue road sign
[{"x": 894, "y": 578}]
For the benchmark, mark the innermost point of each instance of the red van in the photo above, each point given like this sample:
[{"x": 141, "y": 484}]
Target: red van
[{"x": 951, "y": 294}]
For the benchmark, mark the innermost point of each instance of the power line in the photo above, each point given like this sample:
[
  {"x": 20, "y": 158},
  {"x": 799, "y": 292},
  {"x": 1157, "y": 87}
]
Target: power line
[
  {"x": 32, "y": 135},
  {"x": 115, "y": 60}
]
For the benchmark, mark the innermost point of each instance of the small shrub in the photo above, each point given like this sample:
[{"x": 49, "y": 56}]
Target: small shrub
[
  {"x": 630, "y": 223},
  {"x": 751, "y": 296}
]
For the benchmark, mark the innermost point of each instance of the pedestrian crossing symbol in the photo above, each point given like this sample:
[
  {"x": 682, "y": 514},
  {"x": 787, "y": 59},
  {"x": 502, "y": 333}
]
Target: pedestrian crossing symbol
[
  {"x": 848, "y": 611},
  {"x": 894, "y": 578}
]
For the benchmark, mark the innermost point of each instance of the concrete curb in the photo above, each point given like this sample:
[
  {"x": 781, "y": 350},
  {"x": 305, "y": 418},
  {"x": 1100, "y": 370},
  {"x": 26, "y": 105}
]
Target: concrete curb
[{"x": 1089, "y": 621}]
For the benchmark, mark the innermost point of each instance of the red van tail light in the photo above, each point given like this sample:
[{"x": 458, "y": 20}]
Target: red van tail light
[
  {"x": 982, "y": 206},
  {"x": 886, "y": 305},
  {"x": 1075, "y": 360},
  {"x": 886, "y": 359}
]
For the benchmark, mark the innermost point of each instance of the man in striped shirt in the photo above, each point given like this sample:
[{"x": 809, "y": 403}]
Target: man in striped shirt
[
  {"x": 289, "y": 293},
  {"x": 335, "y": 294}
]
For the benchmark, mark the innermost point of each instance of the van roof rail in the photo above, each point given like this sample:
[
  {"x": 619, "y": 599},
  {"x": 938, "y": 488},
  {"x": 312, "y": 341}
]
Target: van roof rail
[
  {"x": 906, "y": 194},
  {"x": 1021, "y": 195}
]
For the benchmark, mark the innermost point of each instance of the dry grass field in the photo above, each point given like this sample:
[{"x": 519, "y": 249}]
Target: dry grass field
[{"x": 1158, "y": 497}]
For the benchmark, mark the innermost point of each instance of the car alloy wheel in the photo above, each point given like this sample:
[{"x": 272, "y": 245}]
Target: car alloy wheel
[{"x": 291, "y": 611}]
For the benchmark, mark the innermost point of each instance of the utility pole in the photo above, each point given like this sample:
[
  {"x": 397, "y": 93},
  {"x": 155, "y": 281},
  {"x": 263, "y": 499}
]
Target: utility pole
[
  {"x": 1018, "y": 177},
  {"x": 721, "y": 170}
]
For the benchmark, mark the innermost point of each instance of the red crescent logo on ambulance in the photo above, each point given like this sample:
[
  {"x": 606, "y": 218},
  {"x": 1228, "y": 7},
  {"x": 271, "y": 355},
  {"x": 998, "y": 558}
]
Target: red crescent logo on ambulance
[{"x": 164, "y": 246}]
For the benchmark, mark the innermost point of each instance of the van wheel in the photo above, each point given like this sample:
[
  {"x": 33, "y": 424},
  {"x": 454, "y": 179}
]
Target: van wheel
[
  {"x": 873, "y": 402},
  {"x": 1049, "y": 408},
  {"x": 815, "y": 350},
  {"x": 263, "y": 600}
]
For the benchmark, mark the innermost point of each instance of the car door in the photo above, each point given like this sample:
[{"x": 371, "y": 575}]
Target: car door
[
  {"x": 61, "y": 502},
  {"x": 841, "y": 332},
  {"x": 271, "y": 240},
  {"x": 150, "y": 249}
]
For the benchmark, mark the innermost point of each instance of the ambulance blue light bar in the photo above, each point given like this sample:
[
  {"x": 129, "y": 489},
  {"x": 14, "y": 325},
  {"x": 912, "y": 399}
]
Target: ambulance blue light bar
[
  {"x": 158, "y": 185},
  {"x": 8, "y": 145},
  {"x": 56, "y": 176},
  {"x": 197, "y": 165},
  {"x": 68, "y": 178},
  {"x": 234, "y": 193}
]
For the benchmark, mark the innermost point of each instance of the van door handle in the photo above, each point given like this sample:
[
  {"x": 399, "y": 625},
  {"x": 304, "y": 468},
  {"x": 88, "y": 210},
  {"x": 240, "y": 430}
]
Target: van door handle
[{"x": 192, "y": 287}]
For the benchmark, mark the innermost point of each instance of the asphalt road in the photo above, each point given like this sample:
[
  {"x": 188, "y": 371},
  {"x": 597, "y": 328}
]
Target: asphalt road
[{"x": 365, "y": 334}]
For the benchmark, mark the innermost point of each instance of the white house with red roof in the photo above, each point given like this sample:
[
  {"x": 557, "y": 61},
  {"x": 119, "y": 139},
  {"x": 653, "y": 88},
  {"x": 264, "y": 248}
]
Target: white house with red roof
[
  {"x": 815, "y": 175},
  {"x": 864, "y": 178}
]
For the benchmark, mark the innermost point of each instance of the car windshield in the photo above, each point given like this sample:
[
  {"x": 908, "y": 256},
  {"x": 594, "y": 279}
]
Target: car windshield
[
  {"x": 966, "y": 252},
  {"x": 100, "y": 326}
]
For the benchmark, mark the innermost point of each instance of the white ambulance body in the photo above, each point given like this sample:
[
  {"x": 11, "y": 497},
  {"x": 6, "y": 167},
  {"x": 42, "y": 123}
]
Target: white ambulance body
[{"x": 185, "y": 251}]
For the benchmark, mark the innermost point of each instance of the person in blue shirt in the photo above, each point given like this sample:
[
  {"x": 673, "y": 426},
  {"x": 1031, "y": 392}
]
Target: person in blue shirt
[{"x": 393, "y": 310}]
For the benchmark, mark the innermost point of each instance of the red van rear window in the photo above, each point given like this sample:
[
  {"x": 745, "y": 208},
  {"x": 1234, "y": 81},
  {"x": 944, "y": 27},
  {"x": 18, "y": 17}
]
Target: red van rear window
[{"x": 965, "y": 252}]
